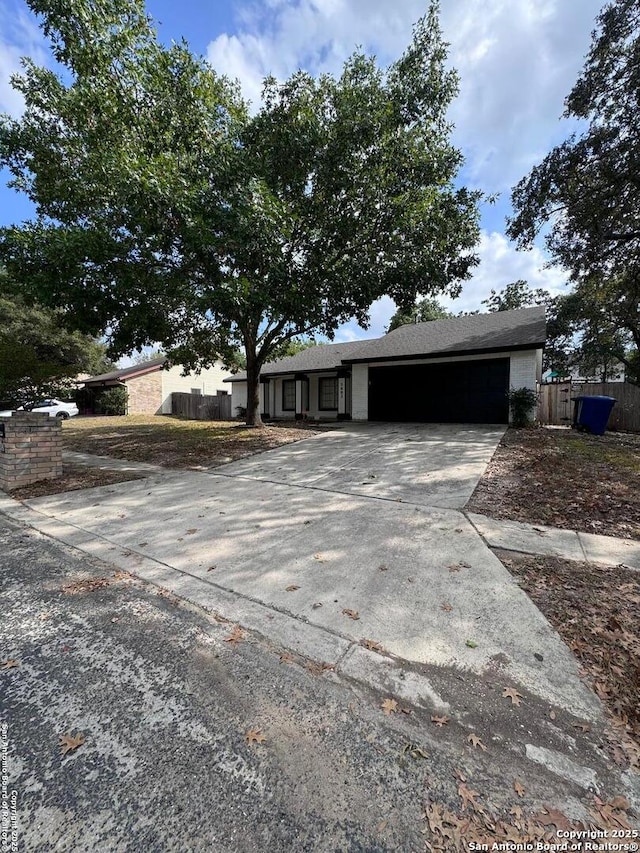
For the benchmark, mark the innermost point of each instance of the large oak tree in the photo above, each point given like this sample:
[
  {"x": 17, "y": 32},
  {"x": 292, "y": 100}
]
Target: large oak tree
[
  {"x": 583, "y": 197},
  {"x": 168, "y": 213}
]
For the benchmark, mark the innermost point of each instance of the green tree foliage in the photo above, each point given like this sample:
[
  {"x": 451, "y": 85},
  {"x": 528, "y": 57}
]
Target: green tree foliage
[
  {"x": 166, "y": 213},
  {"x": 582, "y": 330},
  {"x": 584, "y": 194},
  {"x": 422, "y": 312},
  {"x": 147, "y": 355},
  {"x": 516, "y": 295},
  {"x": 39, "y": 356}
]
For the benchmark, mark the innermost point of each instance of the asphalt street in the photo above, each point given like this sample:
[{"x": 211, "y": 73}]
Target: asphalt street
[{"x": 166, "y": 696}]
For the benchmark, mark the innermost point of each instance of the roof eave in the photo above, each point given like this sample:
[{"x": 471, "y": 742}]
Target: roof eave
[{"x": 446, "y": 353}]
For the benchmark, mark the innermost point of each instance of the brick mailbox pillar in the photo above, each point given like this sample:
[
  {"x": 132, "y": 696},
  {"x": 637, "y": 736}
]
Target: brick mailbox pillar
[{"x": 30, "y": 449}]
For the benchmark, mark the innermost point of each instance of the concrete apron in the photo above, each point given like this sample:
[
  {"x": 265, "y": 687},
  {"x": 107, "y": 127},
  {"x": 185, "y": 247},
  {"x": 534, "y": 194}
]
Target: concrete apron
[{"x": 420, "y": 579}]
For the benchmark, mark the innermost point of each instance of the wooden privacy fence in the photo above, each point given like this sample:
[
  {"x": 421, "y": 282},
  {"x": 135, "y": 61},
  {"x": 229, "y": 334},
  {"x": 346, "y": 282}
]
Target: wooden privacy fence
[
  {"x": 201, "y": 407},
  {"x": 555, "y": 404}
]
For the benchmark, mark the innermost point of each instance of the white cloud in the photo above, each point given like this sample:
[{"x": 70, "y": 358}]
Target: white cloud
[
  {"x": 19, "y": 36},
  {"x": 517, "y": 60},
  {"x": 500, "y": 264}
]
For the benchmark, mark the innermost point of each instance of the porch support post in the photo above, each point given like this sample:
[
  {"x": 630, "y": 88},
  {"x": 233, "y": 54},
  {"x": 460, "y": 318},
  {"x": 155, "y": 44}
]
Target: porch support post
[
  {"x": 265, "y": 396},
  {"x": 301, "y": 393},
  {"x": 343, "y": 415}
]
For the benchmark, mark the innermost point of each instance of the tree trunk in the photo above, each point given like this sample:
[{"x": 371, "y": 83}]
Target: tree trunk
[{"x": 253, "y": 390}]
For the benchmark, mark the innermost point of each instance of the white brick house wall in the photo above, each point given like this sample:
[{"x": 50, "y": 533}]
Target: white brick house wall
[
  {"x": 524, "y": 369},
  {"x": 360, "y": 392},
  {"x": 526, "y": 372}
]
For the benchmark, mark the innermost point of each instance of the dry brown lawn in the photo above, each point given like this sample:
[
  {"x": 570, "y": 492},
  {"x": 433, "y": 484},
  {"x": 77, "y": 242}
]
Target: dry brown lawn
[
  {"x": 175, "y": 443},
  {"x": 564, "y": 479}
]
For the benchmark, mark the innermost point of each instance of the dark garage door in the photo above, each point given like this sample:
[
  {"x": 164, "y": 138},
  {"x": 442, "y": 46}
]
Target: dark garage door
[{"x": 472, "y": 392}]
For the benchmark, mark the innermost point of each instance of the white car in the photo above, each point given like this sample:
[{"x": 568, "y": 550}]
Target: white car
[{"x": 55, "y": 408}]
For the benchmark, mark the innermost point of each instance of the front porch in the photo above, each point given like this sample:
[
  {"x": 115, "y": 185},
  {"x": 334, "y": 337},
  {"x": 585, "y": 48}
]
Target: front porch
[{"x": 314, "y": 395}]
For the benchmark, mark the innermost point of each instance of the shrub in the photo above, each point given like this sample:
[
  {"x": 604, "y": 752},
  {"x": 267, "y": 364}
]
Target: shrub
[
  {"x": 114, "y": 401},
  {"x": 521, "y": 400}
]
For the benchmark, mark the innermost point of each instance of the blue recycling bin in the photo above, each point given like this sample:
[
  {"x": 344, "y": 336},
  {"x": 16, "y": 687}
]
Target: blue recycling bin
[{"x": 592, "y": 413}]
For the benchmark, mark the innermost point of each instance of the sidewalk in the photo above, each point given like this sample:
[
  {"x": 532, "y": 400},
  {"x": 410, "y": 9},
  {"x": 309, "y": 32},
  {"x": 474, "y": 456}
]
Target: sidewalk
[
  {"x": 554, "y": 542},
  {"x": 497, "y": 533}
]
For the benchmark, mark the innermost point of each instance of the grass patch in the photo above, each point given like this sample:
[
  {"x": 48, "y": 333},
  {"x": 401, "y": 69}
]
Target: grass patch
[
  {"x": 74, "y": 477},
  {"x": 175, "y": 443},
  {"x": 564, "y": 479},
  {"x": 595, "y": 611}
]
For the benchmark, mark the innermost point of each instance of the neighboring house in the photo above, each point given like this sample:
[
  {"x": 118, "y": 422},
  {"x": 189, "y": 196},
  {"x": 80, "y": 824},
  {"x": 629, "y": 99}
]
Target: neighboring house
[
  {"x": 455, "y": 371},
  {"x": 150, "y": 386}
]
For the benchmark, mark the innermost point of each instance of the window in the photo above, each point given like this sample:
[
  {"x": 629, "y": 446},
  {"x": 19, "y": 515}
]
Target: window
[
  {"x": 328, "y": 394},
  {"x": 288, "y": 395}
]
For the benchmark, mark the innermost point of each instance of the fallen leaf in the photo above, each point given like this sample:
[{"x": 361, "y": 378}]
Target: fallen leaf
[
  {"x": 372, "y": 645},
  {"x": 389, "y": 706},
  {"x": 446, "y": 607},
  {"x": 454, "y": 568},
  {"x": 620, "y": 803},
  {"x": 85, "y": 585},
  {"x": 319, "y": 558},
  {"x": 471, "y": 644},
  {"x": 512, "y": 693},
  {"x": 382, "y": 825},
  {"x": 9, "y": 664},
  {"x": 459, "y": 775},
  {"x": 474, "y": 740},
  {"x": 352, "y": 614},
  {"x": 285, "y": 657},
  {"x": 122, "y": 576},
  {"x": 552, "y": 817},
  {"x": 317, "y": 605},
  {"x": 191, "y": 531},
  {"x": 255, "y": 736},
  {"x": 291, "y": 588},
  {"x": 518, "y": 788},
  {"x": 68, "y": 743},
  {"x": 414, "y": 750},
  {"x": 235, "y": 636},
  {"x": 212, "y": 568},
  {"x": 440, "y": 721},
  {"x": 383, "y": 568},
  {"x": 467, "y": 796},
  {"x": 319, "y": 668}
]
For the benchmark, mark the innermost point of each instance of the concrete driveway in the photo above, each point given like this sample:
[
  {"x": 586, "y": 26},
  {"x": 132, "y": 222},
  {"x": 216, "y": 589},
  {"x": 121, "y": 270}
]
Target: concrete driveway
[
  {"x": 426, "y": 464},
  {"x": 349, "y": 535}
]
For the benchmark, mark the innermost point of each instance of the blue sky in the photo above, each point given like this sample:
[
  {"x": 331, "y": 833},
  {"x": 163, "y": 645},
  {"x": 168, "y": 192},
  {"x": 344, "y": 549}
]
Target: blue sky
[{"x": 517, "y": 60}]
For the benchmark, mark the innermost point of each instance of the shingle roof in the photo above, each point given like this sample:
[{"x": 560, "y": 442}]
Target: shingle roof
[
  {"x": 475, "y": 333},
  {"x": 500, "y": 330},
  {"x": 321, "y": 357},
  {"x": 125, "y": 372}
]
